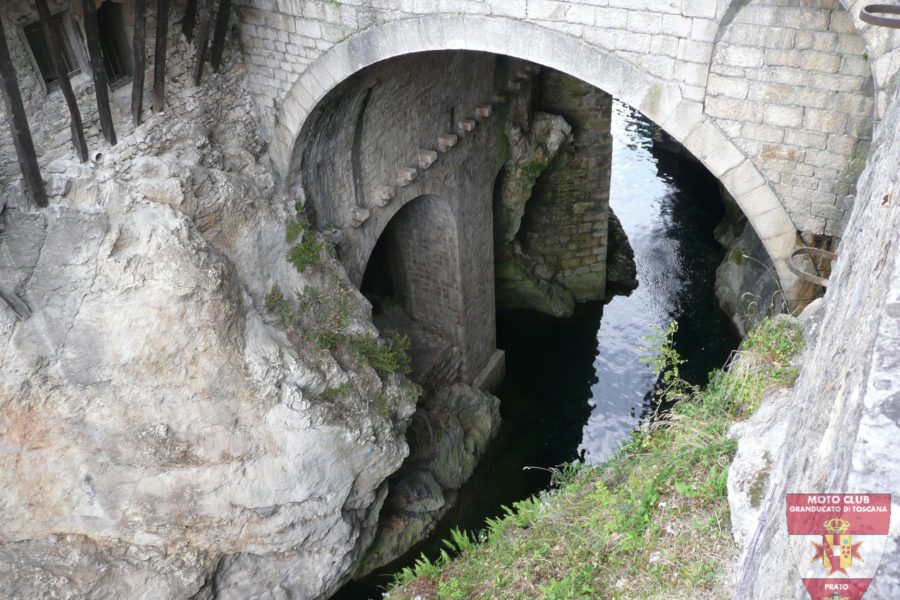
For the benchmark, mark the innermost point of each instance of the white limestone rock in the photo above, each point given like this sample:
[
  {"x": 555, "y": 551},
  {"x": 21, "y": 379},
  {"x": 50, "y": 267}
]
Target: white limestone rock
[{"x": 162, "y": 433}]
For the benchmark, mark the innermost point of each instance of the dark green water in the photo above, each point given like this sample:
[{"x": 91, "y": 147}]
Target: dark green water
[{"x": 578, "y": 384}]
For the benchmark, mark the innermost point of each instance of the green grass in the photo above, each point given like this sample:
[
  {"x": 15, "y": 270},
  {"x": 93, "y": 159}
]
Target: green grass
[
  {"x": 387, "y": 356},
  {"x": 307, "y": 253},
  {"x": 651, "y": 523}
]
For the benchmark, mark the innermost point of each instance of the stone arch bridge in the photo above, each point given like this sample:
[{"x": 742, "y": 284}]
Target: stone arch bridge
[{"x": 777, "y": 98}]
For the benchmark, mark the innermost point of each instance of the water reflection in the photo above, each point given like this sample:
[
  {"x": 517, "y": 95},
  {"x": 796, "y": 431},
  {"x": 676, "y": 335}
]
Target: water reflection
[
  {"x": 668, "y": 206},
  {"x": 578, "y": 384}
]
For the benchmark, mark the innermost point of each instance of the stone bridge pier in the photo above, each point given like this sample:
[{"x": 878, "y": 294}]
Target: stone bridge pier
[{"x": 403, "y": 157}]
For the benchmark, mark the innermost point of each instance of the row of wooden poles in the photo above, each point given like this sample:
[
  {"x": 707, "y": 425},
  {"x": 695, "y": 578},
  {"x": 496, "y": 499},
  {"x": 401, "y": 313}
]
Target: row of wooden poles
[{"x": 15, "y": 110}]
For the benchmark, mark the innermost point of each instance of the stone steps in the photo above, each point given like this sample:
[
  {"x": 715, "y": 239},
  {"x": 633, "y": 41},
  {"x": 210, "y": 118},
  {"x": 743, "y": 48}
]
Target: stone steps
[
  {"x": 382, "y": 195},
  {"x": 446, "y": 141},
  {"x": 426, "y": 159},
  {"x": 406, "y": 175}
]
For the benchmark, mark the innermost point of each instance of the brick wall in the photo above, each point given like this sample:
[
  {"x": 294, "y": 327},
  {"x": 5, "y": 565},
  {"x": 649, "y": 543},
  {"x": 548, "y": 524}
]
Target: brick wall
[
  {"x": 792, "y": 86},
  {"x": 423, "y": 245},
  {"x": 566, "y": 219},
  {"x": 378, "y": 123}
]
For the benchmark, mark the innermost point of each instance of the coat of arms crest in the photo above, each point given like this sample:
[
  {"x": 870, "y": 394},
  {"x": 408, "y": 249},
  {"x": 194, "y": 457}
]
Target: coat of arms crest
[{"x": 837, "y": 541}]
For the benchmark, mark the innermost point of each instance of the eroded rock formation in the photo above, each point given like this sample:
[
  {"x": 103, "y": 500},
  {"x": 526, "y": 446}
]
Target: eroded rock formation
[
  {"x": 164, "y": 431},
  {"x": 551, "y": 214}
]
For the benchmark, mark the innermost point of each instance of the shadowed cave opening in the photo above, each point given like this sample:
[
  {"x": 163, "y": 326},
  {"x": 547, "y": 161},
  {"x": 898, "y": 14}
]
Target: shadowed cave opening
[{"x": 412, "y": 281}]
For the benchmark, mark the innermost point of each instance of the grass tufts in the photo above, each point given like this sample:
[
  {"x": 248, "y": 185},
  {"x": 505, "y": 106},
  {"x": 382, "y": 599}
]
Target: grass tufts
[{"x": 651, "y": 523}]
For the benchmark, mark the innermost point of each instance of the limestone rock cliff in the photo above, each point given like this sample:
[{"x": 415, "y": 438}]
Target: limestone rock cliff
[
  {"x": 163, "y": 431},
  {"x": 836, "y": 430}
]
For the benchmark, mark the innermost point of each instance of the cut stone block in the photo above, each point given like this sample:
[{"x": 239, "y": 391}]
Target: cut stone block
[
  {"x": 465, "y": 126},
  {"x": 427, "y": 158},
  {"x": 498, "y": 99},
  {"x": 513, "y": 86},
  {"x": 447, "y": 141},
  {"x": 382, "y": 195},
  {"x": 359, "y": 216},
  {"x": 406, "y": 175},
  {"x": 483, "y": 112}
]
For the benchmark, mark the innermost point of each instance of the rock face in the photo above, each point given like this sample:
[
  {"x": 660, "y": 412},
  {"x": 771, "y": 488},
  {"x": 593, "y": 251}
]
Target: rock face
[
  {"x": 837, "y": 429},
  {"x": 746, "y": 282},
  {"x": 164, "y": 434},
  {"x": 551, "y": 213},
  {"x": 522, "y": 280},
  {"x": 449, "y": 434}
]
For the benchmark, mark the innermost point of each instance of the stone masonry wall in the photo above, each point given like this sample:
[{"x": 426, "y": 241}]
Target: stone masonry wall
[
  {"x": 566, "y": 219},
  {"x": 373, "y": 146},
  {"x": 673, "y": 43},
  {"x": 836, "y": 430},
  {"x": 423, "y": 245},
  {"x": 791, "y": 84}
]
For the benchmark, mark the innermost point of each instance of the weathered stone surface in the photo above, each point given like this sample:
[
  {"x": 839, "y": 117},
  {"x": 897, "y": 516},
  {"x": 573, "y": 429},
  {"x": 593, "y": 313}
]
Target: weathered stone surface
[
  {"x": 774, "y": 78},
  {"x": 620, "y": 268},
  {"x": 449, "y": 433},
  {"x": 531, "y": 147},
  {"x": 443, "y": 253},
  {"x": 164, "y": 434},
  {"x": 668, "y": 76},
  {"x": 566, "y": 223},
  {"x": 552, "y": 208},
  {"x": 152, "y": 415},
  {"x": 747, "y": 285},
  {"x": 841, "y": 415}
]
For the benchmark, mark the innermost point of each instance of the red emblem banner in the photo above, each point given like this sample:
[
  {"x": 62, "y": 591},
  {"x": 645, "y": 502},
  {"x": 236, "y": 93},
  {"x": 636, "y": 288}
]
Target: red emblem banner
[{"x": 838, "y": 540}]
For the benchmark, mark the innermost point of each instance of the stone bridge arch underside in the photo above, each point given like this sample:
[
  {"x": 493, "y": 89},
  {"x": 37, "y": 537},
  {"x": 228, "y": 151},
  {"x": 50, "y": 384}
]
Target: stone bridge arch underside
[{"x": 696, "y": 120}]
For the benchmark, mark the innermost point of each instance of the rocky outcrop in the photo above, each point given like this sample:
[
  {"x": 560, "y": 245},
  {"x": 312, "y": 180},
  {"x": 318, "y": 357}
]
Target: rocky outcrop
[
  {"x": 163, "y": 431},
  {"x": 837, "y": 429},
  {"x": 747, "y": 284},
  {"x": 621, "y": 271},
  {"x": 523, "y": 280},
  {"x": 551, "y": 213},
  {"x": 449, "y": 434}
]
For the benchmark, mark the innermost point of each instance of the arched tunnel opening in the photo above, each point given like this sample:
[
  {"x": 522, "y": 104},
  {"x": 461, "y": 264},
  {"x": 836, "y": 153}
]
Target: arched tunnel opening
[
  {"x": 515, "y": 211},
  {"x": 413, "y": 282}
]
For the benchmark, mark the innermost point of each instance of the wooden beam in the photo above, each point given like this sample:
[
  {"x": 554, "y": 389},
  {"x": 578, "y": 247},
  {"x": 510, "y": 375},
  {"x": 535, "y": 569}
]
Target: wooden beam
[
  {"x": 18, "y": 125},
  {"x": 92, "y": 36},
  {"x": 159, "y": 54},
  {"x": 218, "y": 45},
  {"x": 140, "y": 60},
  {"x": 53, "y": 36},
  {"x": 202, "y": 39},
  {"x": 190, "y": 17}
]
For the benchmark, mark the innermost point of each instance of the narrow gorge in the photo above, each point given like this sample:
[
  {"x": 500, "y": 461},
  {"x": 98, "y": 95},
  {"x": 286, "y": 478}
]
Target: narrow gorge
[{"x": 291, "y": 289}]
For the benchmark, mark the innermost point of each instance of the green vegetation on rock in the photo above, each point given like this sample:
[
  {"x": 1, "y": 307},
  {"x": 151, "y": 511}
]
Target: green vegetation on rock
[
  {"x": 651, "y": 523},
  {"x": 306, "y": 253},
  {"x": 387, "y": 356}
]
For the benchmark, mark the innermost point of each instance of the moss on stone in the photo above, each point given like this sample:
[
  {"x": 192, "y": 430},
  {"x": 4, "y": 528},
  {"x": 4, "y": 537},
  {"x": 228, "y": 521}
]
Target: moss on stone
[{"x": 760, "y": 482}]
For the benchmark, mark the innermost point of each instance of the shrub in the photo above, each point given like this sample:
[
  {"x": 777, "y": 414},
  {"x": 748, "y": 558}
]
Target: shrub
[
  {"x": 306, "y": 253},
  {"x": 387, "y": 356}
]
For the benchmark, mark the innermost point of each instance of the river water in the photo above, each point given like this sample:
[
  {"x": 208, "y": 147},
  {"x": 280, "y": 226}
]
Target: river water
[{"x": 578, "y": 385}]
